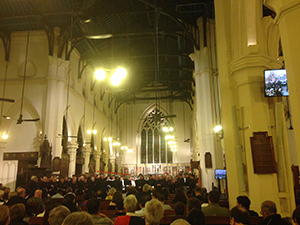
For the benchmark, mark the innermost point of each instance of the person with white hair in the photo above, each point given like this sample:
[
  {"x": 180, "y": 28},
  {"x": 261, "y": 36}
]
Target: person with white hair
[
  {"x": 130, "y": 203},
  {"x": 154, "y": 211}
]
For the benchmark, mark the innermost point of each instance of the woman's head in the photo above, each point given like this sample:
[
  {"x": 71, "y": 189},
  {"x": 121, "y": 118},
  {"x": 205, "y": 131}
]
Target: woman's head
[{"x": 17, "y": 211}]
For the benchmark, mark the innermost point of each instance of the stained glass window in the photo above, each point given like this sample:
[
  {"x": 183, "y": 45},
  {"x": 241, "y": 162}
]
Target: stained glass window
[
  {"x": 150, "y": 146},
  {"x": 156, "y": 146},
  {"x": 153, "y": 144},
  {"x": 143, "y": 148}
]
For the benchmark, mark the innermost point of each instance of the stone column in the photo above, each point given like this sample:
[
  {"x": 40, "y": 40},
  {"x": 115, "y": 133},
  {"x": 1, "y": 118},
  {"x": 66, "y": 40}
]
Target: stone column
[
  {"x": 204, "y": 115},
  {"x": 243, "y": 55},
  {"x": 105, "y": 158},
  {"x": 97, "y": 155},
  {"x": 113, "y": 162},
  {"x": 118, "y": 162},
  {"x": 287, "y": 17},
  {"x": 71, "y": 147},
  {"x": 86, "y": 150}
]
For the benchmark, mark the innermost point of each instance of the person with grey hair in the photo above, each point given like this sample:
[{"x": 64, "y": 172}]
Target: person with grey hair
[
  {"x": 78, "y": 218},
  {"x": 154, "y": 211},
  {"x": 180, "y": 222},
  {"x": 269, "y": 213},
  {"x": 58, "y": 215},
  {"x": 130, "y": 203},
  {"x": 37, "y": 198},
  {"x": 4, "y": 215},
  {"x": 20, "y": 198}
]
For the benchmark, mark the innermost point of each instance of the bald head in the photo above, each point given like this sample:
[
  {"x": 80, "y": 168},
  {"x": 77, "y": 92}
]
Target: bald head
[
  {"x": 268, "y": 208},
  {"x": 21, "y": 192},
  {"x": 38, "y": 193}
]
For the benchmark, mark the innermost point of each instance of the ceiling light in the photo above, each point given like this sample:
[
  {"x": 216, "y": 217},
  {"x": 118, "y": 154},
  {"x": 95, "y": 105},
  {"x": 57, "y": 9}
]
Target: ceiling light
[
  {"x": 121, "y": 72},
  {"x": 115, "y": 79},
  {"x": 100, "y": 74},
  {"x": 165, "y": 129},
  {"x": 171, "y": 129},
  {"x": 89, "y": 131},
  {"x": 94, "y": 131},
  {"x": 110, "y": 138},
  {"x": 105, "y": 139}
]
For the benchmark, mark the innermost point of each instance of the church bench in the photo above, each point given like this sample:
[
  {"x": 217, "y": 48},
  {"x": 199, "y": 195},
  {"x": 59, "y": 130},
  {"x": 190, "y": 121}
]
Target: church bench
[
  {"x": 169, "y": 212},
  {"x": 211, "y": 220},
  {"x": 36, "y": 221}
]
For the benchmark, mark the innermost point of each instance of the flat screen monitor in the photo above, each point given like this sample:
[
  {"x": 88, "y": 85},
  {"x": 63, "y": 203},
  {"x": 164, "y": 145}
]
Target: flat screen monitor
[
  {"x": 220, "y": 174},
  {"x": 276, "y": 83}
]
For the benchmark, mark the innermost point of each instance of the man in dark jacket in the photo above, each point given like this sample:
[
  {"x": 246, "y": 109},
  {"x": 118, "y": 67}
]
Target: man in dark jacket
[
  {"x": 269, "y": 212},
  {"x": 20, "y": 198}
]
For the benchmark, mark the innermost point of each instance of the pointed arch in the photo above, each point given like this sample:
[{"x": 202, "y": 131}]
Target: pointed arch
[{"x": 14, "y": 112}]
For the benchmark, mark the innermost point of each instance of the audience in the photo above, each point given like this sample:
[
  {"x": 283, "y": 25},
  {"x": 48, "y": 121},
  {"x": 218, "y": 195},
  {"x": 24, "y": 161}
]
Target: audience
[
  {"x": 160, "y": 197},
  {"x": 180, "y": 222},
  {"x": 180, "y": 196},
  {"x": 245, "y": 202},
  {"x": 20, "y": 198},
  {"x": 58, "y": 214},
  {"x": 59, "y": 193},
  {"x": 93, "y": 206},
  {"x": 296, "y": 215},
  {"x": 37, "y": 198},
  {"x": 120, "y": 209},
  {"x": 130, "y": 203},
  {"x": 78, "y": 218},
  {"x": 142, "y": 202},
  {"x": 199, "y": 194},
  {"x": 154, "y": 211},
  {"x": 17, "y": 213},
  {"x": 180, "y": 210},
  {"x": 111, "y": 193},
  {"x": 4, "y": 215},
  {"x": 269, "y": 213},
  {"x": 195, "y": 215},
  {"x": 213, "y": 209},
  {"x": 116, "y": 198},
  {"x": 239, "y": 216},
  {"x": 1, "y": 197},
  {"x": 49, "y": 205}
]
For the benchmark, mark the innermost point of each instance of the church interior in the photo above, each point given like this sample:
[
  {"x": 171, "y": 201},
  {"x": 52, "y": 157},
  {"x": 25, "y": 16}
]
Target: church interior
[{"x": 132, "y": 87}]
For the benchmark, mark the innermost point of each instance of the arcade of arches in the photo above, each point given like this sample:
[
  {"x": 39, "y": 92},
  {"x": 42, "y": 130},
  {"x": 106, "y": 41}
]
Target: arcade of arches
[{"x": 240, "y": 43}]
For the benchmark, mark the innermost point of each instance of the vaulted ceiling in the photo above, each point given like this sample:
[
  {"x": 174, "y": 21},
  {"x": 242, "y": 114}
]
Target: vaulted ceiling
[{"x": 151, "y": 38}]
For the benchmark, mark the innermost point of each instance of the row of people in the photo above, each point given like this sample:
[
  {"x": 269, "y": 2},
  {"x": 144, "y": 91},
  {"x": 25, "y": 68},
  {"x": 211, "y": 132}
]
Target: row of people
[
  {"x": 153, "y": 213},
  {"x": 99, "y": 182}
]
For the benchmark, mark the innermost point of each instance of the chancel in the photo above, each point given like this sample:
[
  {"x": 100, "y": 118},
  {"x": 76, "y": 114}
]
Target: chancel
[{"x": 184, "y": 91}]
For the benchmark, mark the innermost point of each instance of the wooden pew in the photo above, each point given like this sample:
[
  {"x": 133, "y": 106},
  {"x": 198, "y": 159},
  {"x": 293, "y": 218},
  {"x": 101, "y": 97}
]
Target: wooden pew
[
  {"x": 36, "y": 221},
  {"x": 212, "y": 220}
]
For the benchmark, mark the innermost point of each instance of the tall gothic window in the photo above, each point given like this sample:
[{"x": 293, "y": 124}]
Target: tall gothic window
[{"x": 154, "y": 147}]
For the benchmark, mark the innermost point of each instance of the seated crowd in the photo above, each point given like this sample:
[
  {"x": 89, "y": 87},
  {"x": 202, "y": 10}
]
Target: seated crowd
[{"x": 103, "y": 202}]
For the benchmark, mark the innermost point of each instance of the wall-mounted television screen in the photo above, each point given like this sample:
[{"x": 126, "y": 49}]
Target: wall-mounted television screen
[
  {"x": 276, "y": 83},
  {"x": 220, "y": 174}
]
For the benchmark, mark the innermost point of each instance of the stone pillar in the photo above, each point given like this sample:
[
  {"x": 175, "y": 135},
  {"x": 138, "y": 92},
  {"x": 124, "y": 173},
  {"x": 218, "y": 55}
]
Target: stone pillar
[
  {"x": 71, "y": 147},
  {"x": 287, "y": 17},
  {"x": 243, "y": 55},
  {"x": 204, "y": 115},
  {"x": 97, "y": 155},
  {"x": 86, "y": 150},
  {"x": 105, "y": 158},
  {"x": 118, "y": 162},
  {"x": 113, "y": 162}
]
